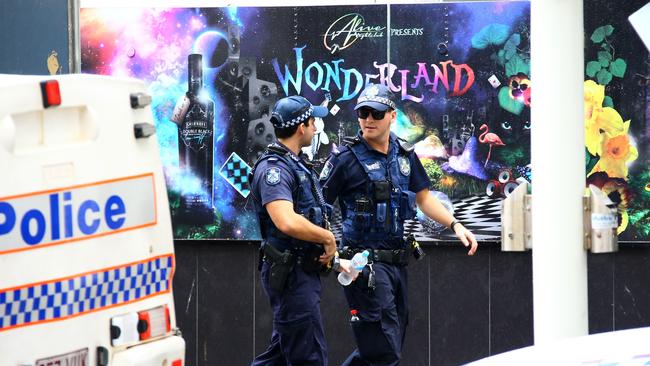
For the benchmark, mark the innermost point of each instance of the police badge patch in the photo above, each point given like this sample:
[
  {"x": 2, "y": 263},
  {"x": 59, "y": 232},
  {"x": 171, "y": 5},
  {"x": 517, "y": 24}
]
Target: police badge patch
[
  {"x": 272, "y": 176},
  {"x": 404, "y": 165},
  {"x": 327, "y": 169},
  {"x": 372, "y": 91}
]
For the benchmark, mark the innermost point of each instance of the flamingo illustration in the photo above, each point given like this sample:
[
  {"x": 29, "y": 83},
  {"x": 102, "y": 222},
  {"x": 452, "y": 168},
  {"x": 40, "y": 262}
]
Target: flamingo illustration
[{"x": 489, "y": 138}]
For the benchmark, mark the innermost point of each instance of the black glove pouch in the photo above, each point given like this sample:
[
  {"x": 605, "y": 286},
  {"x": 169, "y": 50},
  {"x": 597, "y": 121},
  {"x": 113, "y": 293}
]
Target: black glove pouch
[
  {"x": 381, "y": 190},
  {"x": 280, "y": 270},
  {"x": 310, "y": 262}
]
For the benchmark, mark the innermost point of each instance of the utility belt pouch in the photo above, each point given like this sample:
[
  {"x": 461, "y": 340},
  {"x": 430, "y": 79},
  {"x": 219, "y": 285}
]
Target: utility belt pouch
[
  {"x": 362, "y": 204},
  {"x": 407, "y": 205},
  {"x": 381, "y": 190},
  {"x": 281, "y": 265},
  {"x": 344, "y": 253},
  {"x": 278, "y": 275},
  {"x": 361, "y": 221},
  {"x": 348, "y": 252},
  {"x": 361, "y": 216},
  {"x": 315, "y": 216},
  {"x": 310, "y": 263},
  {"x": 417, "y": 251},
  {"x": 380, "y": 213}
]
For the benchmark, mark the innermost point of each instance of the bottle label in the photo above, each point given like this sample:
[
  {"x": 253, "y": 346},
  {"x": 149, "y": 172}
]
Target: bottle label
[
  {"x": 180, "y": 109},
  {"x": 196, "y": 131}
]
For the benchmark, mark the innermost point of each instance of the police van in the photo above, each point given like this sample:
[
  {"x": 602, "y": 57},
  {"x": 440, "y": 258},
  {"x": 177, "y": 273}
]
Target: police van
[{"x": 86, "y": 245}]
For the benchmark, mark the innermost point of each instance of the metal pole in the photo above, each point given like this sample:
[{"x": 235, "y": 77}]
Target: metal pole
[
  {"x": 559, "y": 260},
  {"x": 74, "y": 39}
]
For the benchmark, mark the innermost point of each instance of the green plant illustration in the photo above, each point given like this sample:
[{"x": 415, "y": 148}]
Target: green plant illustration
[
  {"x": 606, "y": 66},
  {"x": 514, "y": 59}
]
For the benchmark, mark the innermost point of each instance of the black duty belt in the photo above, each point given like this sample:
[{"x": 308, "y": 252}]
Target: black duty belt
[
  {"x": 276, "y": 256},
  {"x": 307, "y": 259},
  {"x": 398, "y": 257}
]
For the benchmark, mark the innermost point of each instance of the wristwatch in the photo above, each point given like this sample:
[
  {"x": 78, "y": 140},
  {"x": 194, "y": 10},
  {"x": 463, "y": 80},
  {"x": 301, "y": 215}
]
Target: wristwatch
[
  {"x": 336, "y": 262},
  {"x": 453, "y": 223}
]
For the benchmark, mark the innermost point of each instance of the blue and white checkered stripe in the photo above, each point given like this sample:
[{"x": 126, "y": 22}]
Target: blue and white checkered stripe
[
  {"x": 74, "y": 296},
  {"x": 384, "y": 101},
  {"x": 297, "y": 120}
]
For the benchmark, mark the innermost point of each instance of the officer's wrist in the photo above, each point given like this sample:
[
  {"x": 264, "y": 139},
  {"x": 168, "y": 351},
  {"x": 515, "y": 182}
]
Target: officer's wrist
[
  {"x": 334, "y": 263},
  {"x": 453, "y": 224}
]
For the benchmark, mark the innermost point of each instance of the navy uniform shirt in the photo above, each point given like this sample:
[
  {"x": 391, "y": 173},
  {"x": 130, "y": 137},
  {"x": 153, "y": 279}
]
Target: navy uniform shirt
[
  {"x": 343, "y": 174},
  {"x": 273, "y": 180}
]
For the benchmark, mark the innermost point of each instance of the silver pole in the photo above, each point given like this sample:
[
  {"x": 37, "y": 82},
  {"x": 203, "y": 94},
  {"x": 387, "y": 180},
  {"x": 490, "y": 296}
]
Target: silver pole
[
  {"x": 559, "y": 260},
  {"x": 74, "y": 40}
]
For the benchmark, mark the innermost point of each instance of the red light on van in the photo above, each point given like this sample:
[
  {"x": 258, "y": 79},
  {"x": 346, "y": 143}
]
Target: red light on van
[
  {"x": 153, "y": 322},
  {"x": 51, "y": 93}
]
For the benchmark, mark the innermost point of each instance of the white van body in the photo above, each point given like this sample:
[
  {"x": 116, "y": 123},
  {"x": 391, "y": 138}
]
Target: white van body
[{"x": 86, "y": 245}]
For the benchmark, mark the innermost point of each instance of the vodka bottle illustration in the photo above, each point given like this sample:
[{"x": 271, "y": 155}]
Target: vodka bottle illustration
[{"x": 195, "y": 147}]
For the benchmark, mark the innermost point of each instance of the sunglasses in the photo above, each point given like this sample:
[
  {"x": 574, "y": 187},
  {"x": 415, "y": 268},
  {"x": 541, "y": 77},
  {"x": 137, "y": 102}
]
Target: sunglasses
[{"x": 363, "y": 113}]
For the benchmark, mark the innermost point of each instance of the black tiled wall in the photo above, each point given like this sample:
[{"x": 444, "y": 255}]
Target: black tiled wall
[{"x": 462, "y": 308}]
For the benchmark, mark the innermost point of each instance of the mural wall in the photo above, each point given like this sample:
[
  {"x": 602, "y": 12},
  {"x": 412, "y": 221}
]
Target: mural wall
[
  {"x": 617, "y": 111},
  {"x": 462, "y": 71}
]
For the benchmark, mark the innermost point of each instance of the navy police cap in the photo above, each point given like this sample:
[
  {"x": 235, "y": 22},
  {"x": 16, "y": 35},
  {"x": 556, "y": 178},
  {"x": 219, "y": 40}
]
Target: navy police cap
[
  {"x": 293, "y": 110},
  {"x": 376, "y": 96}
]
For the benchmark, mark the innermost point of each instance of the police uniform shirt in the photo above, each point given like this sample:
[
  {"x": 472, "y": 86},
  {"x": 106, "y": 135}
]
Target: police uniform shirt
[
  {"x": 343, "y": 174},
  {"x": 273, "y": 180}
]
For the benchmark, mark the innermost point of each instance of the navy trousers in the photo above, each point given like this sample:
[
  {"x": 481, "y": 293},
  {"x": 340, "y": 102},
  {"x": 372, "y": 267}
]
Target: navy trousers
[
  {"x": 298, "y": 338},
  {"x": 383, "y": 316}
]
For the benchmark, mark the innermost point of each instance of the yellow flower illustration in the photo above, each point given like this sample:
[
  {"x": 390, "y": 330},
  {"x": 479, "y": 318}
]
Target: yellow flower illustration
[
  {"x": 618, "y": 191},
  {"x": 594, "y": 96},
  {"x": 598, "y": 119},
  {"x": 615, "y": 152},
  {"x": 625, "y": 219}
]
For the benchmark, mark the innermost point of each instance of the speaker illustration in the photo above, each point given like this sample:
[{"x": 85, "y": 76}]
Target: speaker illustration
[
  {"x": 260, "y": 134},
  {"x": 503, "y": 186},
  {"x": 493, "y": 188},
  {"x": 262, "y": 95}
]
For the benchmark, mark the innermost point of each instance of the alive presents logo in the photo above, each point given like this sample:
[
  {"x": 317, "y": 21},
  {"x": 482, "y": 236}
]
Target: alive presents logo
[{"x": 346, "y": 30}]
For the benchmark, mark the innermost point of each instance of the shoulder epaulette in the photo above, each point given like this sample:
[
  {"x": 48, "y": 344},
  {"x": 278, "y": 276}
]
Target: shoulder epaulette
[
  {"x": 406, "y": 146},
  {"x": 351, "y": 140},
  {"x": 272, "y": 154},
  {"x": 307, "y": 163},
  {"x": 276, "y": 149}
]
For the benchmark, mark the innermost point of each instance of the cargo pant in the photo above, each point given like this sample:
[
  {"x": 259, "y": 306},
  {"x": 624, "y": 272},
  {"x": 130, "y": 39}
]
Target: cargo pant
[{"x": 298, "y": 338}]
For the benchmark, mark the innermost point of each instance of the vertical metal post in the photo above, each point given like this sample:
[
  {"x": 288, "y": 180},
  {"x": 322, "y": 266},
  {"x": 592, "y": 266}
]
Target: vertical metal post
[
  {"x": 559, "y": 260},
  {"x": 74, "y": 40}
]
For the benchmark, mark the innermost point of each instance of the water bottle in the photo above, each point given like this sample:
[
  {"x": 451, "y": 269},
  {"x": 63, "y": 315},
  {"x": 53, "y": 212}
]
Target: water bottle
[
  {"x": 357, "y": 263},
  {"x": 354, "y": 316}
]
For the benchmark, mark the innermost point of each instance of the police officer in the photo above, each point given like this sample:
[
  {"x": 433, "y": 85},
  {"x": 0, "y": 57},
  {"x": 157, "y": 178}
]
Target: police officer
[
  {"x": 294, "y": 222},
  {"x": 378, "y": 181}
]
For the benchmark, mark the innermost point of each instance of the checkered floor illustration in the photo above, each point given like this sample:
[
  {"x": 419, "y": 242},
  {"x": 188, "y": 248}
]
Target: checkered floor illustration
[
  {"x": 480, "y": 214},
  {"x": 235, "y": 171}
]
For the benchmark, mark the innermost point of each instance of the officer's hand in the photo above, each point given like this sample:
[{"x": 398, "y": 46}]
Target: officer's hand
[
  {"x": 467, "y": 238},
  {"x": 329, "y": 245},
  {"x": 346, "y": 266}
]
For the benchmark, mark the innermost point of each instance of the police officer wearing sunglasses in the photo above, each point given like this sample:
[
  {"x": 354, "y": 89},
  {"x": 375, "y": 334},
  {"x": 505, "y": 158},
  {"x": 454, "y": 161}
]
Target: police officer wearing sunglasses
[
  {"x": 297, "y": 243},
  {"x": 378, "y": 181}
]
